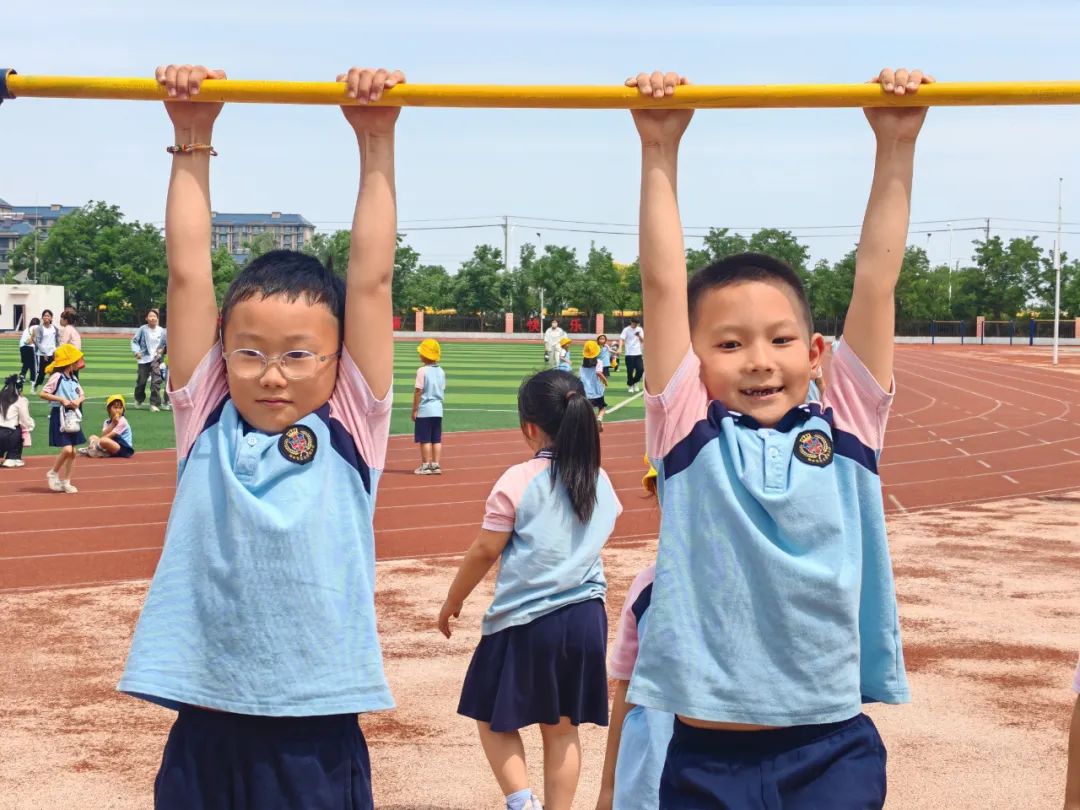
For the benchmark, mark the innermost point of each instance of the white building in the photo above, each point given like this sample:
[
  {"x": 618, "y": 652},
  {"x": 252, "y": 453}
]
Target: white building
[{"x": 21, "y": 302}]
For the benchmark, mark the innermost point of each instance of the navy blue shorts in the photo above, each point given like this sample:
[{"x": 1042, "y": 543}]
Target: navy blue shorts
[
  {"x": 833, "y": 766},
  {"x": 428, "y": 430},
  {"x": 125, "y": 451},
  {"x": 217, "y": 760},
  {"x": 599, "y": 403},
  {"x": 552, "y": 667}
]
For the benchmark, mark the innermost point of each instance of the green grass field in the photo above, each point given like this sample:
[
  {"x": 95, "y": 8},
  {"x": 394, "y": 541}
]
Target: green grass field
[{"x": 481, "y": 388}]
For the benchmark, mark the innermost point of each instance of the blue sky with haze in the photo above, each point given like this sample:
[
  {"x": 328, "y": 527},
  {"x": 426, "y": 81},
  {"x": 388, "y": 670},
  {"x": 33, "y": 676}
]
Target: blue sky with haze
[{"x": 800, "y": 169}]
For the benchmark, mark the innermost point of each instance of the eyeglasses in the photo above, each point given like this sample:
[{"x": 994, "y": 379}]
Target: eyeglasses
[{"x": 295, "y": 365}]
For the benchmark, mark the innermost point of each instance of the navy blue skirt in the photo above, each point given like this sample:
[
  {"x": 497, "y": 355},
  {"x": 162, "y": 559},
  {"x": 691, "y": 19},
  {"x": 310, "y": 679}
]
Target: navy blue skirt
[
  {"x": 218, "y": 760},
  {"x": 57, "y": 437},
  {"x": 540, "y": 672}
]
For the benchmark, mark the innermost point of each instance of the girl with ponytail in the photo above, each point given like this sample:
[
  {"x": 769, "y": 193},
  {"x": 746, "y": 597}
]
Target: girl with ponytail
[{"x": 541, "y": 658}]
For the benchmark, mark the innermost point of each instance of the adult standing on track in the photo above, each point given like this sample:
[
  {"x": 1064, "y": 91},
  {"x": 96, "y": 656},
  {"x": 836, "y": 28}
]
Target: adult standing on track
[
  {"x": 26, "y": 354},
  {"x": 632, "y": 337},
  {"x": 46, "y": 338},
  {"x": 149, "y": 346},
  {"x": 552, "y": 349}
]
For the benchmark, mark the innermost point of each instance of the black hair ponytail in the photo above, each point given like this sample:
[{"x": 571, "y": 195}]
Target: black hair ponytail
[
  {"x": 555, "y": 402},
  {"x": 9, "y": 394}
]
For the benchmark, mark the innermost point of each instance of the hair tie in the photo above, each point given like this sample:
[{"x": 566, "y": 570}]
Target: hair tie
[{"x": 571, "y": 394}]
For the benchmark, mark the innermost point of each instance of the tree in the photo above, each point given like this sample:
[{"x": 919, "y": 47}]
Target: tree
[
  {"x": 260, "y": 244},
  {"x": 1008, "y": 271},
  {"x": 478, "y": 286},
  {"x": 100, "y": 259},
  {"x": 556, "y": 273},
  {"x": 406, "y": 262},
  {"x": 597, "y": 286},
  {"x": 330, "y": 249},
  {"x": 224, "y": 269},
  {"x": 429, "y": 286}
]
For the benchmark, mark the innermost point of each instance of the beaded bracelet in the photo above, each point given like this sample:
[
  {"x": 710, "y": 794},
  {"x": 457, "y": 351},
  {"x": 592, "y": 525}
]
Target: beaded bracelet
[{"x": 188, "y": 148}]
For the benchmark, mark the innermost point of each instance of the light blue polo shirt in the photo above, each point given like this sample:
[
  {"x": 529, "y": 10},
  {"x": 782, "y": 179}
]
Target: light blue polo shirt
[
  {"x": 774, "y": 601},
  {"x": 431, "y": 380},
  {"x": 590, "y": 382},
  {"x": 552, "y": 559},
  {"x": 263, "y": 600}
]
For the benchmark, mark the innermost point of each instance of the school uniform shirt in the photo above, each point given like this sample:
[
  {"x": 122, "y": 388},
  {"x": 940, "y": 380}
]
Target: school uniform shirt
[
  {"x": 774, "y": 601},
  {"x": 69, "y": 334},
  {"x": 431, "y": 382},
  {"x": 123, "y": 431},
  {"x": 646, "y": 732},
  {"x": 631, "y": 338},
  {"x": 60, "y": 386},
  {"x": 604, "y": 360},
  {"x": 263, "y": 600},
  {"x": 591, "y": 382},
  {"x": 564, "y": 360},
  {"x": 552, "y": 559}
]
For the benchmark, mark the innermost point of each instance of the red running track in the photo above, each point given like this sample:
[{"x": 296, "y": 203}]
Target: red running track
[{"x": 966, "y": 427}]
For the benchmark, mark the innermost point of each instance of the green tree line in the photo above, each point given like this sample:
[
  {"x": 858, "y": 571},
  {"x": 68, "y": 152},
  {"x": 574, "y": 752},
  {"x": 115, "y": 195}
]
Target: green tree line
[{"x": 103, "y": 259}]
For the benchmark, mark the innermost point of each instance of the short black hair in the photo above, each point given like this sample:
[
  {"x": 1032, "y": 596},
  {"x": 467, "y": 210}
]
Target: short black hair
[
  {"x": 291, "y": 274},
  {"x": 744, "y": 267}
]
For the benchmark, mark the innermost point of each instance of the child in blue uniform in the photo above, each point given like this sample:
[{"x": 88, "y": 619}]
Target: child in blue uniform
[
  {"x": 593, "y": 380},
  {"x": 563, "y": 361},
  {"x": 541, "y": 657},
  {"x": 768, "y": 629},
  {"x": 66, "y": 395},
  {"x": 116, "y": 439},
  {"x": 259, "y": 625},
  {"x": 427, "y": 410}
]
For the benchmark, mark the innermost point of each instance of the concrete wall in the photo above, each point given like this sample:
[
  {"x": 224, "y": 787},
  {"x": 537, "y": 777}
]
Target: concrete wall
[{"x": 33, "y": 298}]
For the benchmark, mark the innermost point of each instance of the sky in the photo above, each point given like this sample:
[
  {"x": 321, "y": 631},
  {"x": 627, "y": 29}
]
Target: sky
[{"x": 803, "y": 170}]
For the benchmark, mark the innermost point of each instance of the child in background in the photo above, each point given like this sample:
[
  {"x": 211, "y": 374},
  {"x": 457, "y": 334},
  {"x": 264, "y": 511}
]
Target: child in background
[
  {"x": 66, "y": 395},
  {"x": 604, "y": 360},
  {"x": 15, "y": 421},
  {"x": 541, "y": 657},
  {"x": 593, "y": 380},
  {"x": 563, "y": 361},
  {"x": 637, "y": 737},
  {"x": 116, "y": 439},
  {"x": 26, "y": 354},
  {"x": 1072, "y": 775},
  {"x": 259, "y": 626},
  {"x": 427, "y": 410},
  {"x": 768, "y": 630}
]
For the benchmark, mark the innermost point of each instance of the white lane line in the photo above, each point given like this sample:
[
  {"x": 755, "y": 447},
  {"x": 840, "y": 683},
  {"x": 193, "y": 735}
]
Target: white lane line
[
  {"x": 947, "y": 442},
  {"x": 1010, "y": 479},
  {"x": 1003, "y": 427},
  {"x": 626, "y": 401},
  {"x": 1072, "y": 452},
  {"x": 962, "y": 450},
  {"x": 932, "y": 433},
  {"x": 1024, "y": 433},
  {"x": 984, "y": 463},
  {"x": 897, "y": 503}
]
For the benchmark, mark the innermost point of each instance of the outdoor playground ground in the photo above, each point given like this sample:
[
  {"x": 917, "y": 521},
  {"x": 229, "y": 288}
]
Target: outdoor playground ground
[{"x": 981, "y": 489}]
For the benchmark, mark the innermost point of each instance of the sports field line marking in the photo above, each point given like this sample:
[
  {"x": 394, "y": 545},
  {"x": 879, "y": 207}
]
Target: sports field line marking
[
  {"x": 962, "y": 450},
  {"x": 1072, "y": 452},
  {"x": 1010, "y": 479},
  {"x": 896, "y": 502},
  {"x": 984, "y": 463},
  {"x": 68, "y": 529},
  {"x": 932, "y": 433},
  {"x": 81, "y": 553},
  {"x": 1003, "y": 427},
  {"x": 626, "y": 401},
  {"x": 947, "y": 442},
  {"x": 1024, "y": 433}
]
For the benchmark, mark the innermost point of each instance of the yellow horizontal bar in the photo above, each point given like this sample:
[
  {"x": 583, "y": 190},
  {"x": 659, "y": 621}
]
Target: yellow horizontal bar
[{"x": 947, "y": 94}]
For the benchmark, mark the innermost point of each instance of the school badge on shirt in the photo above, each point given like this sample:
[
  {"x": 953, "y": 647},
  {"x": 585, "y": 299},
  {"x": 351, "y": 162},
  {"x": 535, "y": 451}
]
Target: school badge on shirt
[
  {"x": 298, "y": 444},
  {"x": 814, "y": 447}
]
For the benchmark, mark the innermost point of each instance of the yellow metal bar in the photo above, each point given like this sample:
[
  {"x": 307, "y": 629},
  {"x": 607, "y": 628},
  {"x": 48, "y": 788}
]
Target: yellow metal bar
[{"x": 948, "y": 94}]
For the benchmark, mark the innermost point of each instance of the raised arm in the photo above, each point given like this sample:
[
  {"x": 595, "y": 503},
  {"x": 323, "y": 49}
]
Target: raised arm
[
  {"x": 192, "y": 305},
  {"x": 870, "y": 325},
  {"x": 661, "y": 251},
  {"x": 369, "y": 331}
]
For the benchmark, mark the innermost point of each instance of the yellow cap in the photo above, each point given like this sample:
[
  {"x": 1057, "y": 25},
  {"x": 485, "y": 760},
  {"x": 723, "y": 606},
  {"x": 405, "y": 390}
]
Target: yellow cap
[
  {"x": 565, "y": 341},
  {"x": 649, "y": 481},
  {"x": 430, "y": 349},
  {"x": 65, "y": 355},
  {"x": 590, "y": 350},
  {"x": 111, "y": 398}
]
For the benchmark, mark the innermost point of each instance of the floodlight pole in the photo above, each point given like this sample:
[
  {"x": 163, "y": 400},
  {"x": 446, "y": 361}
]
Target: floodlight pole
[{"x": 1057, "y": 277}]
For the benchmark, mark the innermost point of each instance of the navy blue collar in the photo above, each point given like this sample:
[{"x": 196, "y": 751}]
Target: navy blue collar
[
  {"x": 545, "y": 452},
  {"x": 793, "y": 418},
  {"x": 323, "y": 412}
]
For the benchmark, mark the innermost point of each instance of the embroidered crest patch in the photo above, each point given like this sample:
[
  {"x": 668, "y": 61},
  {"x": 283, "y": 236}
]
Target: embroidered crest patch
[
  {"x": 298, "y": 444},
  {"x": 814, "y": 447}
]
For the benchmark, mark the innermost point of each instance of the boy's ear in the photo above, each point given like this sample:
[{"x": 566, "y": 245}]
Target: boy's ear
[{"x": 818, "y": 350}]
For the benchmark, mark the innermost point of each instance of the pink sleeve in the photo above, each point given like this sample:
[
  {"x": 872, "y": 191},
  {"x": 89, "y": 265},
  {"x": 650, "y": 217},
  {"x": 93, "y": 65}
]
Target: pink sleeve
[
  {"x": 1076, "y": 679},
  {"x": 500, "y": 511},
  {"x": 366, "y": 418},
  {"x": 624, "y": 650},
  {"x": 122, "y": 425},
  {"x": 420, "y": 377},
  {"x": 193, "y": 404},
  {"x": 860, "y": 405},
  {"x": 672, "y": 414},
  {"x": 50, "y": 386}
]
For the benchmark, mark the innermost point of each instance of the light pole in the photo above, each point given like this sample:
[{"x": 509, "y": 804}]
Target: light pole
[
  {"x": 540, "y": 239},
  {"x": 1057, "y": 277}
]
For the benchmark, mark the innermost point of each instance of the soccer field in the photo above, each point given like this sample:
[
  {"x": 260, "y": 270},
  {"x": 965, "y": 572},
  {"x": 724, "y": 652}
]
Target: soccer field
[{"x": 482, "y": 379}]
